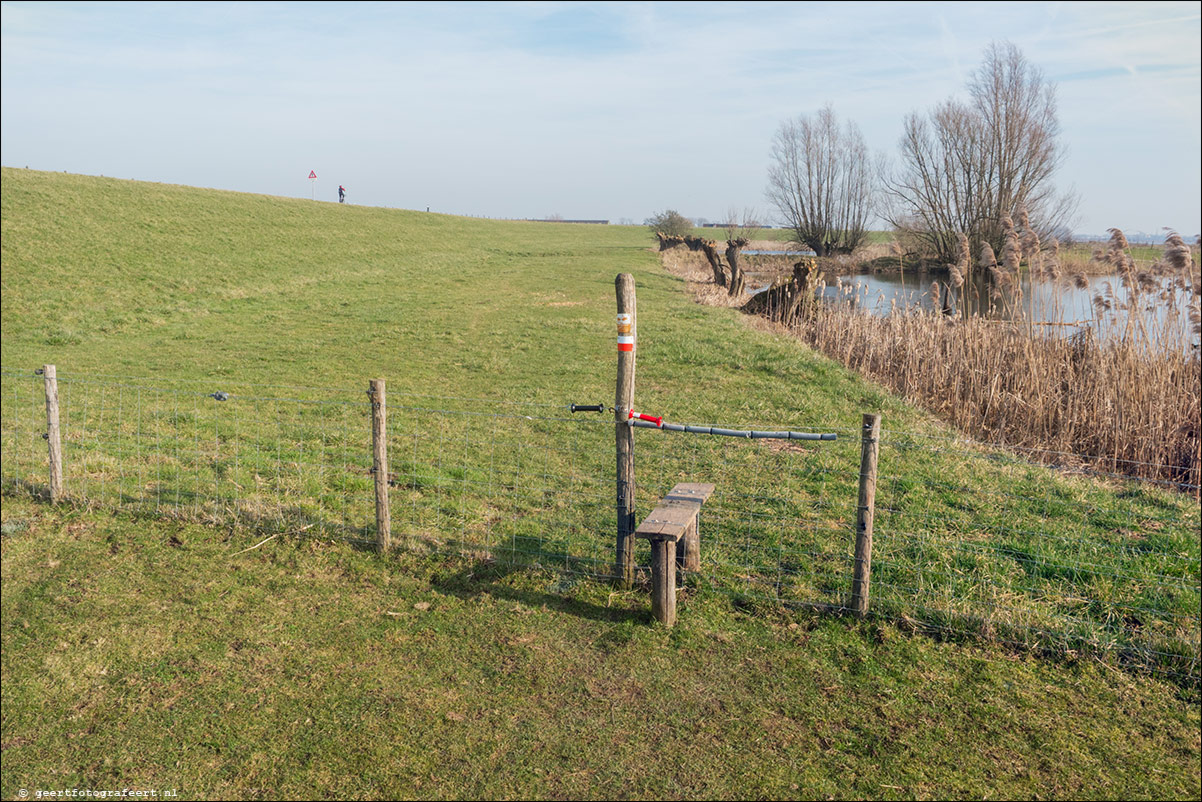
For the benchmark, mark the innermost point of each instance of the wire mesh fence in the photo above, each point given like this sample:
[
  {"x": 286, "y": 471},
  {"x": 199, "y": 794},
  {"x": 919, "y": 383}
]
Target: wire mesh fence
[
  {"x": 216, "y": 457},
  {"x": 969, "y": 540},
  {"x": 465, "y": 475},
  {"x": 781, "y": 522},
  {"x": 507, "y": 482},
  {"x": 983, "y": 541}
]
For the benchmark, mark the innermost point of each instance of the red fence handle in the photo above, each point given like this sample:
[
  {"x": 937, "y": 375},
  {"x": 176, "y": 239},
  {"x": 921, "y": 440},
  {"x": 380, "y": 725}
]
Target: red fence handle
[{"x": 651, "y": 418}]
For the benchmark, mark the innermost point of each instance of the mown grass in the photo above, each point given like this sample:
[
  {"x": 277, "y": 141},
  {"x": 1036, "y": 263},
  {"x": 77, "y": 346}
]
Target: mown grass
[
  {"x": 250, "y": 295},
  {"x": 156, "y": 655},
  {"x": 144, "y": 291}
]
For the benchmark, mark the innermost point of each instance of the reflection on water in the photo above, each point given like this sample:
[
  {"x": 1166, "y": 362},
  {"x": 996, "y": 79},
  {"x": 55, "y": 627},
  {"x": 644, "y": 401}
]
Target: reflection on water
[{"x": 1061, "y": 308}]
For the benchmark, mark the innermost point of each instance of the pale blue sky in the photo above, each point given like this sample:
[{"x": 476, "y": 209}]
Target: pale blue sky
[{"x": 597, "y": 110}]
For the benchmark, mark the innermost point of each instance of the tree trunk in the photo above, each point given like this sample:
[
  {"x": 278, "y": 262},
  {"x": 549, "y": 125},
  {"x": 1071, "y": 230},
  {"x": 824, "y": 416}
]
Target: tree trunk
[
  {"x": 711, "y": 255},
  {"x": 785, "y": 302},
  {"x": 668, "y": 241},
  {"x": 736, "y": 273}
]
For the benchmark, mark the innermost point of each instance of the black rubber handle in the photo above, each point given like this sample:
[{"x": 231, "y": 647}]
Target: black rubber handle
[{"x": 588, "y": 407}]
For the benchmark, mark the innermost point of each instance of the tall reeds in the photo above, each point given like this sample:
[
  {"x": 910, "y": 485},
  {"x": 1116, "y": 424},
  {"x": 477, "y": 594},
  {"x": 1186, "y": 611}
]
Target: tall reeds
[{"x": 1121, "y": 393}]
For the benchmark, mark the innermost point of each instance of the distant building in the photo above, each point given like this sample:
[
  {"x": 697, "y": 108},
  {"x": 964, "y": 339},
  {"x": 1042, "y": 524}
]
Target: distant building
[{"x": 561, "y": 220}]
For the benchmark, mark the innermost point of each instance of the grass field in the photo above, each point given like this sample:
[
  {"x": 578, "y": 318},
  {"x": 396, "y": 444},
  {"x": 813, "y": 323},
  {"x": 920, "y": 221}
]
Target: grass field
[
  {"x": 150, "y": 653},
  {"x": 153, "y": 655}
]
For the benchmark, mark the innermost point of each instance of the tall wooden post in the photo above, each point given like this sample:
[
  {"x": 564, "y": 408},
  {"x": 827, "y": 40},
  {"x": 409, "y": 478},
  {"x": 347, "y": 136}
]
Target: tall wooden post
[
  {"x": 53, "y": 435},
  {"x": 870, "y": 447},
  {"x": 379, "y": 448},
  {"x": 623, "y": 431}
]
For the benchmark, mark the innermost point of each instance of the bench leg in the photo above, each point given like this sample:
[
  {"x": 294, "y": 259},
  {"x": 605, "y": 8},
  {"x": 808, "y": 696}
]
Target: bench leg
[
  {"x": 688, "y": 553},
  {"x": 663, "y": 581}
]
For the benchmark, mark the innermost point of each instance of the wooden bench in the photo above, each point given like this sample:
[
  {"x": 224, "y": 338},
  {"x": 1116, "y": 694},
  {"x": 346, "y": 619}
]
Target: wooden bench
[{"x": 673, "y": 522}]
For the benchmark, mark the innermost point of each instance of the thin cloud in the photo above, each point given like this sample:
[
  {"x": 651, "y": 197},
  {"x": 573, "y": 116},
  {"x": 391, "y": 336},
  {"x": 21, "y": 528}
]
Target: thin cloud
[{"x": 606, "y": 109}]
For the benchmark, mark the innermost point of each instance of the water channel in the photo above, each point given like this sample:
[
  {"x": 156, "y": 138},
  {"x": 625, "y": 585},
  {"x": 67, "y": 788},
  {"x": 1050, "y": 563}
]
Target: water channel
[{"x": 1058, "y": 307}]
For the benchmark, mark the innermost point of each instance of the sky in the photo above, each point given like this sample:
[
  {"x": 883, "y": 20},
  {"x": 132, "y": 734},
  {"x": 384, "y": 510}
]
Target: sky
[{"x": 583, "y": 110}]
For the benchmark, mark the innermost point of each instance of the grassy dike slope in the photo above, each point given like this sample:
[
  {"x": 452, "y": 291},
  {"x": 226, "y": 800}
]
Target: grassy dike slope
[
  {"x": 150, "y": 655},
  {"x": 123, "y": 278}
]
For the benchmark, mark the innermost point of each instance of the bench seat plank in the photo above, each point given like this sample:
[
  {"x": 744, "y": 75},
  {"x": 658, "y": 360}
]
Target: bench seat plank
[
  {"x": 669, "y": 520},
  {"x": 690, "y": 491},
  {"x": 673, "y": 516}
]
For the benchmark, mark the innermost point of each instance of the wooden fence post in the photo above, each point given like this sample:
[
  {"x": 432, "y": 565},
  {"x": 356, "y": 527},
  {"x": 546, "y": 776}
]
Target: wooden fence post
[
  {"x": 53, "y": 434},
  {"x": 870, "y": 447},
  {"x": 623, "y": 432},
  {"x": 663, "y": 581},
  {"x": 379, "y": 448}
]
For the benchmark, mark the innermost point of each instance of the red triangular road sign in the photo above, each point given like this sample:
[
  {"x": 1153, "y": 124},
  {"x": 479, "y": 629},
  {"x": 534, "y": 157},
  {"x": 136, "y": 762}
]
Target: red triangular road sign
[{"x": 312, "y": 174}]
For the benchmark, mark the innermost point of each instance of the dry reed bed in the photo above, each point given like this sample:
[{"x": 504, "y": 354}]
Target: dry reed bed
[
  {"x": 1132, "y": 410},
  {"x": 1128, "y": 405}
]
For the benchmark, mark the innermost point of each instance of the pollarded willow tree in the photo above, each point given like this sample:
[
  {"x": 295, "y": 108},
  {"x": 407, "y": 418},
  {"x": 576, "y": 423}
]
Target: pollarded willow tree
[
  {"x": 965, "y": 166},
  {"x": 820, "y": 181}
]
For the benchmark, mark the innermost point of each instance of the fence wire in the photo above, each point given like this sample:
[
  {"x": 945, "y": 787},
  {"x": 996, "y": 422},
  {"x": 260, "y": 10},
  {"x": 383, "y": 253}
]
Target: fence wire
[
  {"x": 781, "y": 522},
  {"x": 969, "y": 540},
  {"x": 981, "y": 541}
]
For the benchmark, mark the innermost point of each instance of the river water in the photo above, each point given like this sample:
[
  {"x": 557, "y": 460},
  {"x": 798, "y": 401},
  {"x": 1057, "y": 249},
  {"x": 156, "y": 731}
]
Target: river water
[{"x": 1060, "y": 308}]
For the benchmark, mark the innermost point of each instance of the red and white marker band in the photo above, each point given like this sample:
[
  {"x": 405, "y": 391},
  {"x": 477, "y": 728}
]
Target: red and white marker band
[{"x": 625, "y": 335}]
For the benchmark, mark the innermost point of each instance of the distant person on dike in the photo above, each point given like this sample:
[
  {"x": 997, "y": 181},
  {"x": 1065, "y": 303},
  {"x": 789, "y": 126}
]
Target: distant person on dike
[{"x": 341, "y": 194}]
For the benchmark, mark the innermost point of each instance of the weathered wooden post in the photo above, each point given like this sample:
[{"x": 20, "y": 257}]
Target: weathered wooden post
[
  {"x": 663, "y": 581},
  {"x": 53, "y": 434},
  {"x": 623, "y": 432},
  {"x": 688, "y": 553},
  {"x": 870, "y": 435},
  {"x": 379, "y": 447}
]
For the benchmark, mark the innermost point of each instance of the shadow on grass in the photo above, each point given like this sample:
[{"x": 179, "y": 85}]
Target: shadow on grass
[
  {"x": 490, "y": 577},
  {"x": 194, "y": 508},
  {"x": 18, "y": 486}
]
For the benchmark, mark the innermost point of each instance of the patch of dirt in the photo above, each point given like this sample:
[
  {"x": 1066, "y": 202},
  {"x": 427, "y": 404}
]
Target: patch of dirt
[{"x": 789, "y": 447}]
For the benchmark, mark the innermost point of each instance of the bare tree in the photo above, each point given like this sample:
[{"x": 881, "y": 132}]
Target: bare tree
[
  {"x": 820, "y": 181},
  {"x": 741, "y": 225},
  {"x": 967, "y": 165}
]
